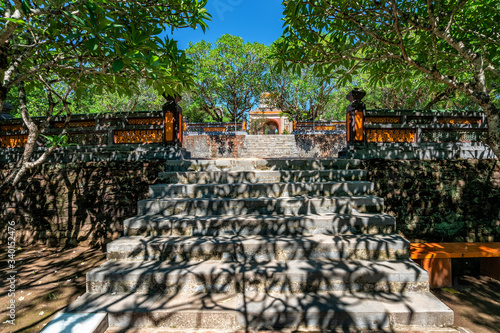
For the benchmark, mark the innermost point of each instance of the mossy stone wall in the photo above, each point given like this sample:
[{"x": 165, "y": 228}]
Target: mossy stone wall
[{"x": 440, "y": 201}]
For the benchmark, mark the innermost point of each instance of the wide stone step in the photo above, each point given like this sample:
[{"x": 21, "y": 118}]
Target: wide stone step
[
  {"x": 248, "y": 248},
  {"x": 256, "y": 206},
  {"x": 332, "y": 224},
  {"x": 310, "y": 312},
  {"x": 260, "y": 176},
  {"x": 271, "y": 146},
  {"x": 271, "y": 155},
  {"x": 272, "y": 276},
  {"x": 273, "y": 149},
  {"x": 267, "y": 142},
  {"x": 267, "y": 153},
  {"x": 260, "y": 164},
  {"x": 271, "y": 190}
]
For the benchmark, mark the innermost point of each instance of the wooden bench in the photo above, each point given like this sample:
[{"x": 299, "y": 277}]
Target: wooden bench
[{"x": 435, "y": 258}]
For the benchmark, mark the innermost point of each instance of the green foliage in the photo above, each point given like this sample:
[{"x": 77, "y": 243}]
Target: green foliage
[
  {"x": 57, "y": 141},
  {"x": 300, "y": 95},
  {"x": 57, "y": 52},
  {"x": 229, "y": 78},
  {"x": 453, "y": 46},
  {"x": 96, "y": 45},
  {"x": 392, "y": 41}
]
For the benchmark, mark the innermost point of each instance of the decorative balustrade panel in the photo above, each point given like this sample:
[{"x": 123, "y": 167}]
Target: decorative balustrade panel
[
  {"x": 93, "y": 129},
  {"x": 138, "y": 136},
  {"x": 214, "y": 127},
  {"x": 391, "y": 135},
  {"x": 9, "y": 141},
  {"x": 319, "y": 126},
  {"x": 413, "y": 126}
]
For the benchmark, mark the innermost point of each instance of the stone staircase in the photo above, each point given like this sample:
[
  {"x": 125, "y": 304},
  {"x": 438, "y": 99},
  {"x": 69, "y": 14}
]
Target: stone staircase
[
  {"x": 269, "y": 146},
  {"x": 239, "y": 245}
]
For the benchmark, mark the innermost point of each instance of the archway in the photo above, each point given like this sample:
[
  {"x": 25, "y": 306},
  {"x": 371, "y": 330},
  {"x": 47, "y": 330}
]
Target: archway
[{"x": 271, "y": 126}]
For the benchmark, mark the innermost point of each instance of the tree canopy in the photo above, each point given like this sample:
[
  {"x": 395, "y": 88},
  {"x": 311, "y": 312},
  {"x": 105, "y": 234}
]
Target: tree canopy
[
  {"x": 455, "y": 44},
  {"x": 229, "y": 76},
  {"x": 64, "y": 48},
  {"x": 300, "y": 96}
]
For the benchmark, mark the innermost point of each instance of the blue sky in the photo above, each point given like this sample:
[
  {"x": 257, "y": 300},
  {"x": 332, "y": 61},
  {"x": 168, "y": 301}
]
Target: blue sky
[{"x": 253, "y": 20}]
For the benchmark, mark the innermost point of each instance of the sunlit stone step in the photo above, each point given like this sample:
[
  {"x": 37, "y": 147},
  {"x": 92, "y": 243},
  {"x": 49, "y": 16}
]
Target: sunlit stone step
[
  {"x": 264, "y": 205},
  {"x": 260, "y": 164},
  {"x": 309, "y": 312},
  {"x": 271, "y": 190},
  {"x": 268, "y": 276},
  {"x": 251, "y": 247},
  {"x": 260, "y": 176},
  {"x": 333, "y": 224}
]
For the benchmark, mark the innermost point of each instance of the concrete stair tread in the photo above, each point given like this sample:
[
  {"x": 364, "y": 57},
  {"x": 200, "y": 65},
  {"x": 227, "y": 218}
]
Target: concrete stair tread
[
  {"x": 295, "y": 247},
  {"x": 140, "y": 220},
  {"x": 343, "y": 310},
  {"x": 271, "y": 276},
  {"x": 296, "y": 205},
  {"x": 365, "y": 241},
  {"x": 254, "y": 163},
  {"x": 257, "y": 224},
  {"x": 263, "y": 198},
  {"x": 333, "y": 182},
  {"x": 253, "y": 176},
  {"x": 404, "y": 271},
  {"x": 271, "y": 189}
]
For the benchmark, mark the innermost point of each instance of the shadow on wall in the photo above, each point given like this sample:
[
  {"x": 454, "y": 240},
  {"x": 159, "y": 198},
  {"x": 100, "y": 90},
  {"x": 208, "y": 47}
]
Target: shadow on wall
[
  {"x": 440, "y": 201},
  {"x": 320, "y": 145},
  {"x": 78, "y": 203},
  {"x": 213, "y": 146}
]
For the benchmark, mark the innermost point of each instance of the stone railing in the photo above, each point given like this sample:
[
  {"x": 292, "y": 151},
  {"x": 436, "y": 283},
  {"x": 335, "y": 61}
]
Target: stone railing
[
  {"x": 112, "y": 129},
  {"x": 300, "y": 127},
  {"x": 214, "y": 128},
  {"x": 411, "y": 126},
  {"x": 414, "y": 133}
]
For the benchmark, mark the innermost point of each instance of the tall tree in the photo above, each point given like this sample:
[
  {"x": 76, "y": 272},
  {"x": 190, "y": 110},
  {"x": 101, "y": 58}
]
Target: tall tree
[
  {"x": 230, "y": 76},
  {"x": 454, "y": 43},
  {"x": 64, "y": 47},
  {"x": 300, "y": 96}
]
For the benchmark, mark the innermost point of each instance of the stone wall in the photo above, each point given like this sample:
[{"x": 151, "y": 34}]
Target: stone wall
[
  {"x": 421, "y": 151},
  {"x": 130, "y": 153},
  {"x": 439, "y": 201},
  {"x": 213, "y": 146},
  {"x": 320, "y": 145},
  {"x": 86, "y": 203},
  {"x": 77, "y": 203},
  {"x": 227, "y": 146}
]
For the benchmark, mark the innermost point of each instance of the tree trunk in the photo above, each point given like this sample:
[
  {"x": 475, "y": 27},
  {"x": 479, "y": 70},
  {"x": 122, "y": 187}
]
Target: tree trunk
[
  {"x": 24, "y": 164},
  {"x": 493, "y": 116}
]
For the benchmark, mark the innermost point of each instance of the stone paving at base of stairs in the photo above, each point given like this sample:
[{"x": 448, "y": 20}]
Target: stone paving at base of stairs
[{"x": 394, "y": 330}]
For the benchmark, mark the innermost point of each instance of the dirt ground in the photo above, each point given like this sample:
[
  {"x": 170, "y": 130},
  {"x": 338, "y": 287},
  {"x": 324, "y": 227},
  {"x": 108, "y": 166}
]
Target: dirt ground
[
  {"x": 475, "y": 300},
  {"x": 48, "y": 279}
]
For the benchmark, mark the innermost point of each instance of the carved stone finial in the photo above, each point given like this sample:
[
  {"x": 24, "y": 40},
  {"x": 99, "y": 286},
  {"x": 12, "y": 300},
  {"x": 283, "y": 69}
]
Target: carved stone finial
[
  {"x": 356, "y": 94},
  {"x": 177, "y": 98}
]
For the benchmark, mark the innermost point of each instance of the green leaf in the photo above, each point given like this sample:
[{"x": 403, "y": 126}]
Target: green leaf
[
  {"x": 26, "y": 7},
  {"x": 114, "y": 26},
  {"x": 117, "y": 65},
  {"x": 92, "y": 44},
  {"x": 74, "y": 36},
  {"x": 9, "y": 19}
]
